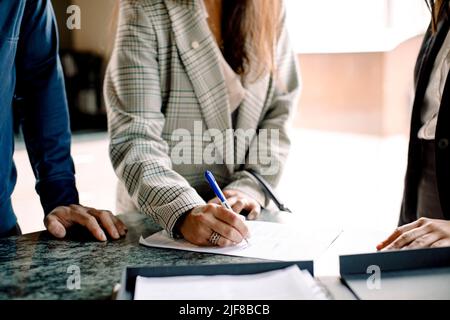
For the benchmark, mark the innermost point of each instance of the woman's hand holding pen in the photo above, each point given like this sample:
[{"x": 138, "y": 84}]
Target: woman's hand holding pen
[
  {"x": 203, "y": 221},
  {"x": 423, "y": 233}
]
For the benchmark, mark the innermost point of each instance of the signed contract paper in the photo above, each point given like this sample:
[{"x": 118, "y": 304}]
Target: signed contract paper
[{"x": 271, "y": 241}]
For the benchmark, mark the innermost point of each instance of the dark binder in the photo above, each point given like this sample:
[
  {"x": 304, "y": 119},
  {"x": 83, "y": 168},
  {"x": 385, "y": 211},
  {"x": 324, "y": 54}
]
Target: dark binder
[
  {"x": 404, "y": 275},
  {"x": 128, "y": 282}
]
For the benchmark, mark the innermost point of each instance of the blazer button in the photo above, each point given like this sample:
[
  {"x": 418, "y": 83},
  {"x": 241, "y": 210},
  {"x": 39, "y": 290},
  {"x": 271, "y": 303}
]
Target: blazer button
[
  {"x": 195, "y": 45},
  {"x": 443, "y": 144}
]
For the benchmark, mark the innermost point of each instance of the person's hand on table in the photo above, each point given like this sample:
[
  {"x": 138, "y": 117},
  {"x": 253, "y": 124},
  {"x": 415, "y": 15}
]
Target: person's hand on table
[
  {"x": 96, "y": 221},
  {"x": 239, "y": 202},
  {"x": 423, "y": 233},
  {"x": 202, "y": 223}
]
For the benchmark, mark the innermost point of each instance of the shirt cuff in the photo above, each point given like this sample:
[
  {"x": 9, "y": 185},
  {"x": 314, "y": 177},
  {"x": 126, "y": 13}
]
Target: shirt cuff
[
  {"x": 57, "y": 193},
  {"x": 170, "y": 214}
]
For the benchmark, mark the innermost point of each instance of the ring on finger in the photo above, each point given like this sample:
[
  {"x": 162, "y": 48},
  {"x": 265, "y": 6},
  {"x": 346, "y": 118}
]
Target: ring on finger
[{"x": 214, "y": 238}]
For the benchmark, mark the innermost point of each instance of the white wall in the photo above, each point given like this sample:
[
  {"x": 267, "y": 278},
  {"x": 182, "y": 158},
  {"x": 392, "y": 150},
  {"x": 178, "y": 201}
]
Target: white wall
[{"x": 330, "y": 26}]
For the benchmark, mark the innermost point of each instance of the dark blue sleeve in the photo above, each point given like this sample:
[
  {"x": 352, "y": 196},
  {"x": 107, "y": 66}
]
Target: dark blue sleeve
[{"x": 41, "y": 95}]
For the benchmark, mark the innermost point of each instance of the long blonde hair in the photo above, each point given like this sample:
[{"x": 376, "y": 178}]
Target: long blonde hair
[{"x": 250, "y": 32}]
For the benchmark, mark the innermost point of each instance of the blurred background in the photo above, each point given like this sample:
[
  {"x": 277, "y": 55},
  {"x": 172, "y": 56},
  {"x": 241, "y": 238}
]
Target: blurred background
[{"x": 350, "y": 131}]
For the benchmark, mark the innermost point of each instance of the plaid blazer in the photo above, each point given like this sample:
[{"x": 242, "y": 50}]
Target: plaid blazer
[{"x": 164, "y": 77}]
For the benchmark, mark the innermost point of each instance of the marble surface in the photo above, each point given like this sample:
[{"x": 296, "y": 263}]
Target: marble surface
[{"x": 37, "y": 266}]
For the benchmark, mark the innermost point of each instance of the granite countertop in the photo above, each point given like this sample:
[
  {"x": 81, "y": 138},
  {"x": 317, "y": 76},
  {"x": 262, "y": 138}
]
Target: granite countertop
[{"x": 37, "y": 266}]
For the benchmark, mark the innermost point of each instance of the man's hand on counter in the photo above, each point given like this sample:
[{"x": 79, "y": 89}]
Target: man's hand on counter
[{"x": 96, "y": 221}]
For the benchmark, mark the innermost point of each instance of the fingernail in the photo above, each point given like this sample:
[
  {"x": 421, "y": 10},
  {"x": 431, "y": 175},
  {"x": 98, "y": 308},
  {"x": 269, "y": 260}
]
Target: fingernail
[
  {"x": 103, "y": 236},
  {"x": 60, "y": 232}
]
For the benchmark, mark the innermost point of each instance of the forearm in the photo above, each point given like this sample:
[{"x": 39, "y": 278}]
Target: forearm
[
  {"x": 266, "y": 158},
  {"x": 142, "y": 163},
  {"x": 41, "y": 97}
]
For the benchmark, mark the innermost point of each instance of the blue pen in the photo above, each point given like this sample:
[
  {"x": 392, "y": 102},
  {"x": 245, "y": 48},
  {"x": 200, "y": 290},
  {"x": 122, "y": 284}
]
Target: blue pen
[{"x": 218, "y": 192}]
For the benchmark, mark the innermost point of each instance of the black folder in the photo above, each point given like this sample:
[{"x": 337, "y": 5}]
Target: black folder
[
  {"x": 403, "y": 275},
  {"x": 128, "y": 282}
]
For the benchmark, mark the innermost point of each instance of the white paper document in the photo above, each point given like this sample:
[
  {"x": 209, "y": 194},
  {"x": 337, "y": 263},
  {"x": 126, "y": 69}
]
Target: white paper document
[
  {"x": 271, "y": 241},
  {"x": 285, "y": 284}
]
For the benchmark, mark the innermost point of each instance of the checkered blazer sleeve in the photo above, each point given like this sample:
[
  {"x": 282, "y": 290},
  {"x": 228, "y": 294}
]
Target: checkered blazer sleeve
[
  {"x": 138, "y": 153},
  {"x": 283, "y": 96}
]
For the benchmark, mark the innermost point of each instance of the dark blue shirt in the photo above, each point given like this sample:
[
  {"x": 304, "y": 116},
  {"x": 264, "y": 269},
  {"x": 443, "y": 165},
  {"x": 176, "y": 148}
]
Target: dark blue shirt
[{"x": 31, "y": 80}]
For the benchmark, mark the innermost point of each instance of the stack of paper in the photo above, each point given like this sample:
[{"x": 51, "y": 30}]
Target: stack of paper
[{"x": 285, "y": 284}]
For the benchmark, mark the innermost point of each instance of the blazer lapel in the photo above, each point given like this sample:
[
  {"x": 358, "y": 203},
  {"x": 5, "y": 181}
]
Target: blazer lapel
[
  {"x": 428, "y": 53},
  {"x": 197, "y": 50},
  {"x": 250, "y": 113},
  {"x": 433, "y": 44}
]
